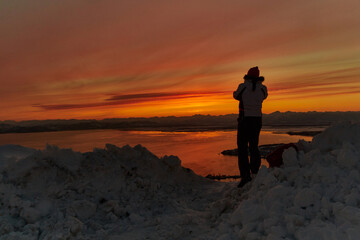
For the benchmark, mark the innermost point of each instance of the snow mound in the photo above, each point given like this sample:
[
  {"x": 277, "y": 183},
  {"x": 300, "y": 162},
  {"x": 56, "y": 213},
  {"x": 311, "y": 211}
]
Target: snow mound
[
  {"x": 62, "y": 193},
  {"x": 315, "y": 195},
  {"x": 129, "y": 193}
]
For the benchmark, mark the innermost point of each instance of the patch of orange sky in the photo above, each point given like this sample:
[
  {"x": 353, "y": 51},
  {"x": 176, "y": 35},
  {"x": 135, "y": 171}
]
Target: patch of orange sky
[{"x": 105, "y": 59}]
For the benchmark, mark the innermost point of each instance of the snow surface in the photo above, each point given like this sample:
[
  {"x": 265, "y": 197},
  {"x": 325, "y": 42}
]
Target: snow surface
[{"x": 129, "y": 193}]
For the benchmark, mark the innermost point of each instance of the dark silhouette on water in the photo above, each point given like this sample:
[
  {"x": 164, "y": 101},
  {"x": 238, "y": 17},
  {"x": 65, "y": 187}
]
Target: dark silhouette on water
[
  {"x": 265, "y": 150},
  {"x": 250, "y": 94}
]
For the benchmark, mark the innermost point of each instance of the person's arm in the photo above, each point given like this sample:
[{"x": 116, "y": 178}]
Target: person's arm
[
  {"x": 264, "y": 91},
  {"x": 239, "y": 90}
]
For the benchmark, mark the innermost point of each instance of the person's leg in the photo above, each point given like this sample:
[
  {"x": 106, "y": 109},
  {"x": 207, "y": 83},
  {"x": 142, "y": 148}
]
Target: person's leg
[
  {"x": 242, "y": 142},
  {"x": 255, "y": 157}
]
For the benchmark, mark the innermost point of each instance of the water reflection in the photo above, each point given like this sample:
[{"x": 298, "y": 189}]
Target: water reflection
[{"x": 199, "y": 151}]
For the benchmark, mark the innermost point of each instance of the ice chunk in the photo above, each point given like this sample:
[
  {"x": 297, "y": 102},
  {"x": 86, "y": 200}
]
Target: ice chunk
[
  {"x": 74, "y": 224},
  {"x": 5, "y": 225},
  {"x": 247, "y": 212},
  {"x": 172, "y": 161},
  {"x": 31, "y": 215},
  {"x": 84, "y": 209},
  {"x": 347, "y": 156},
  {"x": 290, "y": 157},
  {"x": 63, "y": 158},
  {"x": 350, "y": 214},
  {"x": 279, "y": 193},
  {"x": 307, "y": 197}
]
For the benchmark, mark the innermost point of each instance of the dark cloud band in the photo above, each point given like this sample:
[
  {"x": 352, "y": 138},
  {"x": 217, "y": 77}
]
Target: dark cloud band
[{"x": 126, "y": 99}]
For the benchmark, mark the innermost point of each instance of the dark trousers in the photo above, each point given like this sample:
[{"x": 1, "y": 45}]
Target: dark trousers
[{"x": 248, "y": 138}]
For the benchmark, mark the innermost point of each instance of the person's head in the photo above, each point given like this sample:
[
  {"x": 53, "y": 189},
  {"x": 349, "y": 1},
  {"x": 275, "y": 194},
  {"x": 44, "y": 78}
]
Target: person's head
[{"x": 254, "y": 75}]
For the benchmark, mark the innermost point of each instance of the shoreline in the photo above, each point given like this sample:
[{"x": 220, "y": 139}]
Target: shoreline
[{"x": 310, "y": 133}]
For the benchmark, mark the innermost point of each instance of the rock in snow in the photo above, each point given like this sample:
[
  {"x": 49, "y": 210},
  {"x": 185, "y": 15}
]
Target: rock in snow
[{"x": 129, "y": 193}]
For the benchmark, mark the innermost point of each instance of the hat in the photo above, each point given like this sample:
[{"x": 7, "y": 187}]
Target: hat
[{"x": 254, "y": 74}]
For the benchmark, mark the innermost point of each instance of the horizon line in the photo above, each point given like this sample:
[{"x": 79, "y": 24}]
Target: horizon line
[{"x": 100, "y": 119}]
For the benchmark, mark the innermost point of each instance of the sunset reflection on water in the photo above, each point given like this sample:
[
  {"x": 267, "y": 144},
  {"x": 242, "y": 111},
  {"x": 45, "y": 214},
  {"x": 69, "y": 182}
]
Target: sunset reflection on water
[{"x": 199, "y": 151}]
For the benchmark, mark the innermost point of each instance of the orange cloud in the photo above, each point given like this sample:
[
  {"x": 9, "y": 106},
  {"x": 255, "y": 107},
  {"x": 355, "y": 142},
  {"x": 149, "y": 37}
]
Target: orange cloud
[{"x": 127, "y": 99}]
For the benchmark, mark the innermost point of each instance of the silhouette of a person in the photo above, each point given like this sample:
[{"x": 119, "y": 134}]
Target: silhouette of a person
[{"x": 251, "y": 93}]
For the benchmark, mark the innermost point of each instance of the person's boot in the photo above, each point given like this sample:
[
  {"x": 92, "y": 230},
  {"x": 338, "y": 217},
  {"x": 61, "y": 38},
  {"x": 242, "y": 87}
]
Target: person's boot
[{"x": 244, "y": 181}]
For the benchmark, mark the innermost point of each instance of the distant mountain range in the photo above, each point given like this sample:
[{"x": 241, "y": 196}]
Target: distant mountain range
[{"x": 172, "y": 123}]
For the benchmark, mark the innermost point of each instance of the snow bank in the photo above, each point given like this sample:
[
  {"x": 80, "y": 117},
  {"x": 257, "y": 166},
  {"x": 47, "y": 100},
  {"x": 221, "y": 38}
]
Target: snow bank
[
  {"x": 315, "y": 195},
  {"x": 129, "y": 193},
  {"x": 59, "y": 194}
]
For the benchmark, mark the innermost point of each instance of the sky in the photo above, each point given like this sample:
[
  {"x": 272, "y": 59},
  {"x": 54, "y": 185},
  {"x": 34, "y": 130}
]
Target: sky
[{"x": 92, "y": 59}]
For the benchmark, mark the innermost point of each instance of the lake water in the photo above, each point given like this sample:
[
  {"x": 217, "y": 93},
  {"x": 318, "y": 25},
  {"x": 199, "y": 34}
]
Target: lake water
[{"x": 199, "y": 151}]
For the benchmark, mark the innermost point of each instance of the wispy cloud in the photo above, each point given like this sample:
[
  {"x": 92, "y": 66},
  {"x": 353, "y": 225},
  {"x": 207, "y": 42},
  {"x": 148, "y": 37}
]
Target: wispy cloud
[
  {"x": 312, "y": 94},
  {"x": 340, "y": 78},
  {"x": 126, "y": 99}
]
